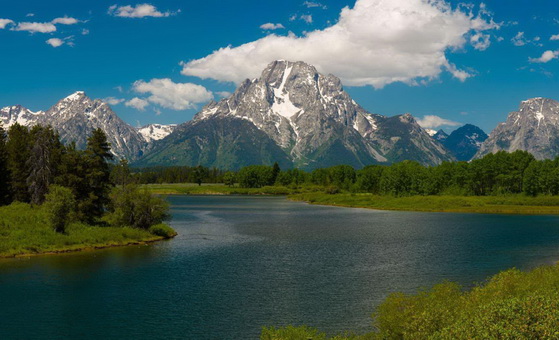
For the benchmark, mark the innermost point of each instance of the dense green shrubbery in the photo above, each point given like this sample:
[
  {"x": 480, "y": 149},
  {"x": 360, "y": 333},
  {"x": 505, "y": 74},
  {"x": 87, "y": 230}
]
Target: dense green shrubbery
[
  {"x": 511, "y": 305},
  {"x": 23, "y": 231},
  {"x": 162, "y": 230},
  {"x": 59, "y": 204},
  {"x": 134, "y": 207}
]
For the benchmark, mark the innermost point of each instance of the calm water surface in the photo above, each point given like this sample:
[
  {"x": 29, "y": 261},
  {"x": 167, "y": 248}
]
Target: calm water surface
[{"x": 243, "y": 262}]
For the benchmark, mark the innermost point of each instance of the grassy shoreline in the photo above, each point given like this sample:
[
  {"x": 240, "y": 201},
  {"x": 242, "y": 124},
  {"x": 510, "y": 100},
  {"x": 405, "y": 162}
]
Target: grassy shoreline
[
  {"x": 520, "y": 205},
  {"x": 513, "y": 204},
  {"x": 23, "y": 233}
]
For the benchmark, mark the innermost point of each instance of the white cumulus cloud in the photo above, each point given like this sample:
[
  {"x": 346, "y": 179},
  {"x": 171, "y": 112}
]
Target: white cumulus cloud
[
  {"x": 520, "y": 39},
  {"x": 55, "y": 42},
  {"x": 65, "y": 21},
  {"x": 554, "y": 37},
  {"x": 171, "y": 95},
  {"x": 270, "y": 26},
  {"x": 306, "y": 18},
  {"x": 137, "y": 103},
  {"x": 480, "y": 41},
  {"x": 138, "y": 11},
  {"x": 35, "y": 27},
  {"x": 433, "y": 122},
  {"x": 547, "y": 56},
  {"x": 5, "y": 22},
  {"x": 376, "y": 43},
  {"x": 312, "y": 4},
  {"x": 113, "y": 100}
]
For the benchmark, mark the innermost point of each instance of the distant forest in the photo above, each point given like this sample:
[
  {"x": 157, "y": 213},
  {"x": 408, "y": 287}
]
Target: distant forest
[
  {"x": 495, "y": 174},
  {"x": 31, "y": 159}
]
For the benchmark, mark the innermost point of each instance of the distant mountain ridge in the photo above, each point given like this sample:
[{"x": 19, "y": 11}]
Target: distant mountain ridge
[
  {"x": 533, "y": 128},
  {"x": 463, "y": 142},
  {"x": 308, "y": 116},
  {"x": 75, "y": 116}
]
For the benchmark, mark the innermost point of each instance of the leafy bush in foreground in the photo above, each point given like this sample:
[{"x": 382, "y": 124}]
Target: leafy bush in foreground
[
  {"x": 162, "y": 230},
  {"x": 511, "y": 305},
  {"x": 59, "y": 204}
]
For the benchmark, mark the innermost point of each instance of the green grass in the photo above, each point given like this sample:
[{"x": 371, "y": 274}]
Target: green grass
[
  {"x": 510, "y": 305},
  {"x": 515, "y": 204},
  {"x": 24, "y": 231},
  {"x": 217, "y": 189}
]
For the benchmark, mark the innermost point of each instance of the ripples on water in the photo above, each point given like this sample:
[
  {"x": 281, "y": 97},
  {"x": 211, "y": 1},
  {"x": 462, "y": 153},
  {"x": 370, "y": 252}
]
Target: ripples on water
[{"x": 243, "y": 262}]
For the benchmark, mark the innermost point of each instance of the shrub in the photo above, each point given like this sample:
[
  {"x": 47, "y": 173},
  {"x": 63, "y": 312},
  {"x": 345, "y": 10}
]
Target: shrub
[
  {"x": 59, "y": 204},
  {"x": 163, "y": 230},
  {"x": 291, "y": 333},
  {"x": 136, "y": 208}
]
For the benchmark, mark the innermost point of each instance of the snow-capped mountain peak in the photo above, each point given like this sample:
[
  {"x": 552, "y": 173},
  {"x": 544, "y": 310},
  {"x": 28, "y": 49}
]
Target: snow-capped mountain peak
[{"x": 154, "y": 132}]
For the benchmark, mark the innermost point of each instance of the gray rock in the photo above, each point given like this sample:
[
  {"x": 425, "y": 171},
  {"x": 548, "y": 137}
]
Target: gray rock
[{"x": 534, "y": 128}]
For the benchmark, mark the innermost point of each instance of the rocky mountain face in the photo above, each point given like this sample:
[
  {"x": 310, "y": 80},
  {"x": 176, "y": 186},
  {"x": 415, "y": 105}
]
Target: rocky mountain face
[
  {"x": 18, "y": 114},
  {"x": 155, "y": 132},
  {"x": 75, "y": 116},
  {"x": 440, "y": 136},
  {"x": 533, "y": 128},
  {"x": 465, "y": 141},
  {"x": 311, "y": 119}
]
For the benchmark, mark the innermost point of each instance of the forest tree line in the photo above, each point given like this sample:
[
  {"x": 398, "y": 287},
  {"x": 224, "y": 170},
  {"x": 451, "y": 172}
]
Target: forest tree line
[
  {"x": 495, "y": 174},
  {"x": 73, "y": 185}
]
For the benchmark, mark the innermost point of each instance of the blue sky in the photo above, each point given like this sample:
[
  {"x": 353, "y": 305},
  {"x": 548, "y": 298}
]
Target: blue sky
[{"x": 154, "y": 52}]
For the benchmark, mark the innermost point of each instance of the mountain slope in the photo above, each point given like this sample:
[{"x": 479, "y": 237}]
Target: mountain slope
[
  {"x": 534, "y": 128},
  {"x": 74, "y": 117},
  {"x": 465, "y": 141},
  {"x": 223, "y": 142},
  {"x": 316, "y": 123}
]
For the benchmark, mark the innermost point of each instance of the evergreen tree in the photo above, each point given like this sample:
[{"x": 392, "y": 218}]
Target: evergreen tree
[
  {"x": 98, "y": 155},
  {"x": 19, "y": 148},
  {"x": 43, "y": 161},
  {"x": 275, "y": 172},
  {"x": 5, "y": 196},
  {"x": 120, "y": 173}
]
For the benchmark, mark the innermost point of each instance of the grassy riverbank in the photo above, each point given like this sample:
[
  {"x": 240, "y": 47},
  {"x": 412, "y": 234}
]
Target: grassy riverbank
[
  {"x": 511, "y": 204},
  {"x": 216, "y": 189},
  {"x": 515, "y": 204},
  {"x": 24, "y": 231},
  {"x": 511, "y": 305}
]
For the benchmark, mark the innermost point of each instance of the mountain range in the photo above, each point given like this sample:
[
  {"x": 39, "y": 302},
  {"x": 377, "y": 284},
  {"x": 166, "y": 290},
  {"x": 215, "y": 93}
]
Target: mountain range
[
  {"x": 297, "y": 117},
  {"x": 75, "y": 116},
  {"x": 533, "y": 128},
  {"x": 301, "y": 118}
]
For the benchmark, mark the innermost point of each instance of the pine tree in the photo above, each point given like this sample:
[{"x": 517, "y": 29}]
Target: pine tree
[
  {"x": 43, "y": 162},
  {"x": 5, "y": 195},
  {"x": 18, "y": 147},
  {"x": 98, "y": 154}
]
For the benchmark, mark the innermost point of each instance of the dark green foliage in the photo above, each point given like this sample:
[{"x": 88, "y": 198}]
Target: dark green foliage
[
  {"x": 98, "y": 155},
  {"x": 43, "y": 162},
  {"x": 121, "y": 174},
  {"x": 162, "y": 230},
  {"x": 134, "y": 207},
  {"x": 368, "y": 179},
  {"x": 19, "y": 150},
  {"x": 512, "y": 305},
  {"x": 177, "y": 174},
  {"x": 291, "y": 333},
  {"x": 199, "y": 174},
  {"x": 229, "y": 178},
  {"x": 59, "y": 204},
  {"x": 5, "y": 194},
  {"x": 256, "y": 176},
  {"x": 496, "y": 174}
]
